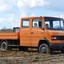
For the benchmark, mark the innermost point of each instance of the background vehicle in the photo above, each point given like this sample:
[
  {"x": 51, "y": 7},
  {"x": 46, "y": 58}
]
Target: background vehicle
[{"x": 44, "y": 33}]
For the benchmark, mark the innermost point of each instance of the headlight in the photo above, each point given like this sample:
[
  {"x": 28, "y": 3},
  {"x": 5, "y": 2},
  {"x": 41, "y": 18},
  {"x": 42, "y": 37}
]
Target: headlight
[{"x": 54, "y": 38}]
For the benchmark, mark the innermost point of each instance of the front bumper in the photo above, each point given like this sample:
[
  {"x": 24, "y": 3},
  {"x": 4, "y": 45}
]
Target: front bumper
[{"x": 57, "y": 46}]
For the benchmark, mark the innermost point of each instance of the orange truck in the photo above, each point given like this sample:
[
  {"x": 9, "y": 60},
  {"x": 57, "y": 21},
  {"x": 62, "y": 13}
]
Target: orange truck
[{"x": 44, "y": 33}]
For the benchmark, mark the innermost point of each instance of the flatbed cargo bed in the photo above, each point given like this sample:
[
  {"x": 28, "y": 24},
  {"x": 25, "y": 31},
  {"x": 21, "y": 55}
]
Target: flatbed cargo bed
[{"x": 9, "y": 36}]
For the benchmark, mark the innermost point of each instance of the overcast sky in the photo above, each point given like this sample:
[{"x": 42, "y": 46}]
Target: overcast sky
[{"x": 12, "y": 10}]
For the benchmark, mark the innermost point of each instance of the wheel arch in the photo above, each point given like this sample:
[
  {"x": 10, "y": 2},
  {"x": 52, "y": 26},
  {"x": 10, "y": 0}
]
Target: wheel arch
[
  {"x": 3, "y": 41},
  {"x": 43, "y": 41}
]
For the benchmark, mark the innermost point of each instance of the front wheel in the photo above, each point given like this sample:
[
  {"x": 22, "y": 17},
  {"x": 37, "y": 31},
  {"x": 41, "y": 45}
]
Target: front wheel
[{"x": 44, "y": 48}]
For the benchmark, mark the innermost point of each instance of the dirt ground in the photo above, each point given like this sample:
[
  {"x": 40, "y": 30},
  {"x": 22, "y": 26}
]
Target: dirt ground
[{"x": 30, "y": 57}]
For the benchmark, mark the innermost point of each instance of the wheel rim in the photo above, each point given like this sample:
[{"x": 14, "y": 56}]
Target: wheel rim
[{"x": 43, "y": 48}]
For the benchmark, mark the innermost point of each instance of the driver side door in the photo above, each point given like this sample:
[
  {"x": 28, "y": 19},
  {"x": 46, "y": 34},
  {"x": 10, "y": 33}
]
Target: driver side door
[{"x": 36, "y": 31}]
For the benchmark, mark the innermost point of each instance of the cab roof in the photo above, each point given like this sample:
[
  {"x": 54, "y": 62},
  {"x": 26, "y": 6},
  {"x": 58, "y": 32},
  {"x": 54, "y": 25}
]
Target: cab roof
[{"x": 40, "y": 17}]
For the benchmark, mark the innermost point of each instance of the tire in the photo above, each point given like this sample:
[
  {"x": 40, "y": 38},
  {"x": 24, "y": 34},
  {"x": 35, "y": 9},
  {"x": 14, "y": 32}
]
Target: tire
[
  {"x": 44, "y": 48},
  {"x": 4, "y": 45}
]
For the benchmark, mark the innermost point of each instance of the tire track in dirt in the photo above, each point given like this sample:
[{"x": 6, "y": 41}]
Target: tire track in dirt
[{"x": 30, "y": 57}]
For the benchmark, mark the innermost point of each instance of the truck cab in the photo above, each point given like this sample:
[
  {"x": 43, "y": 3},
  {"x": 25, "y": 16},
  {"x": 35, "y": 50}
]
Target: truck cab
[{"x": 44, "y": 33}]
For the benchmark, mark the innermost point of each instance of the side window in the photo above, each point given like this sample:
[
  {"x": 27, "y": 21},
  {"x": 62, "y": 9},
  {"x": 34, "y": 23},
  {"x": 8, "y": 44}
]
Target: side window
[
  {"x": 47, "y": 24},
  {"x": 37, "y": 23},
  {"x": 25, "y": 23}
]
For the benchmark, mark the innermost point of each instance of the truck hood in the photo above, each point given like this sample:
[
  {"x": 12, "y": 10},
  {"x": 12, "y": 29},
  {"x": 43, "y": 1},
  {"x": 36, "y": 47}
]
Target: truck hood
[
  {"x": 56, "y": 33},
  {"x": 55, "y": 36}
]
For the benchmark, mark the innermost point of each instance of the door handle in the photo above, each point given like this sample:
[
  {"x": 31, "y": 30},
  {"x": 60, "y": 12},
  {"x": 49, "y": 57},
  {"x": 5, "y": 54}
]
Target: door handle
[{"x": 31, "y": 32}]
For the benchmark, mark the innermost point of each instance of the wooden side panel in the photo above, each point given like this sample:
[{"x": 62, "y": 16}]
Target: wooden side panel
[{"x": 9, "y": 35}]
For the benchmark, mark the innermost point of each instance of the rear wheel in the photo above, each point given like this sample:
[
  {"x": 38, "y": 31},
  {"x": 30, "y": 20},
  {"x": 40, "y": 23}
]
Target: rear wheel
[
  {"x": 44, "y": 48},
  {"x": 4, "y": 45}
]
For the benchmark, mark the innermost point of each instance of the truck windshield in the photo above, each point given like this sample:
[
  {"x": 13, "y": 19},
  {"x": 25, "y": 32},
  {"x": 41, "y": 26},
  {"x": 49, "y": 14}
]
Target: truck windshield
[{"x": 54, "y": 23}]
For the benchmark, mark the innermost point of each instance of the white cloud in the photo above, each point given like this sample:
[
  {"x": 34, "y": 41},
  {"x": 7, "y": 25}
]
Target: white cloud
[
  {"x": 2, "y": 20},
  {"x": 36, "y": 3},
  {"x": 23, "y": 14},
  {"x": 3, "y": 6},
  {"x": 9, "y": 18},
  {"x": 24, "y": 4},
  {"x": 24, "y": 8},
  {"x": 61, "y": 16},
  {"x": 10, "y": 21},
  {"x": 6, "y": 5}
]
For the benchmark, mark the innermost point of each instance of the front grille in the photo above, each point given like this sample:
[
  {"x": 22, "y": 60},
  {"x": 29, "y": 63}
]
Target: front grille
[{"x": 58, "y": 37}]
